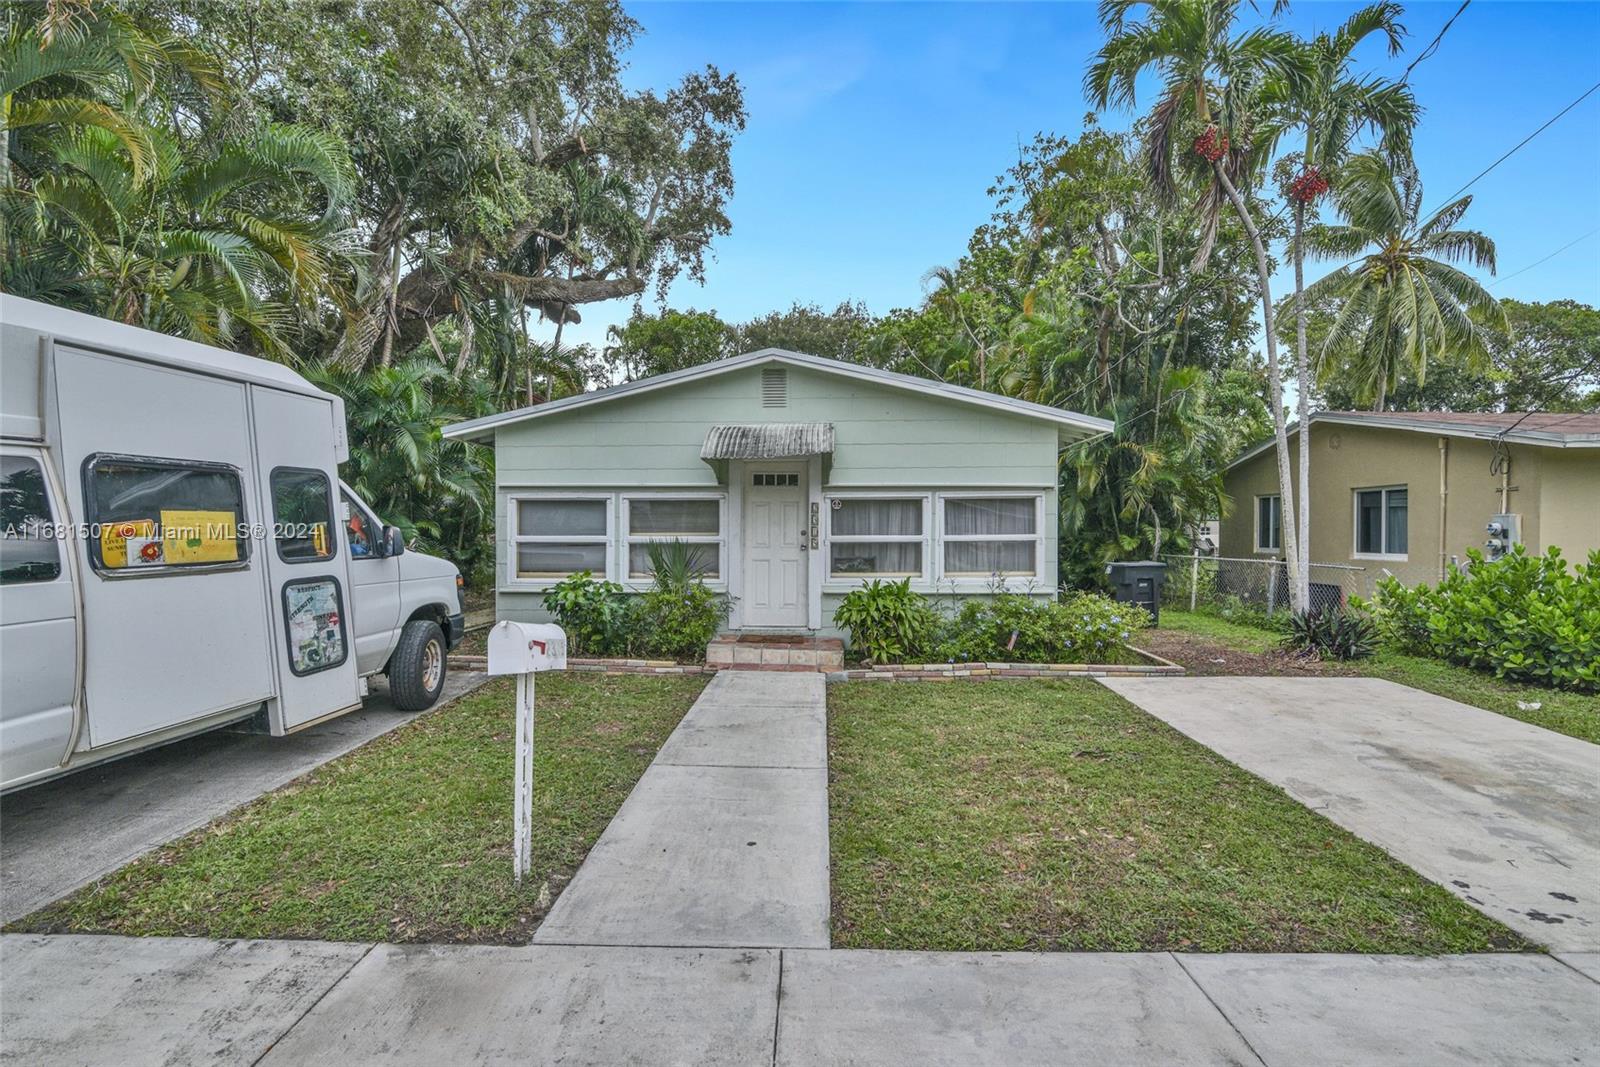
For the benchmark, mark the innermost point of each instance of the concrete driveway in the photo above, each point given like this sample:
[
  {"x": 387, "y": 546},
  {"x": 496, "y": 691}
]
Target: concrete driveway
[
  {"x": 1503, "y": 814},
  {"x": 64, "y": 834}
]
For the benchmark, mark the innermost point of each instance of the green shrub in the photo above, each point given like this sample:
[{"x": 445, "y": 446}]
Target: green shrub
[
  {"x": 593, "y": 613},
  {"x": 1523, "y": 617},
  {"x": 1080, "y": 627},
  {"x": 1331, "y": 633},
  {"x": 888, "y": 623},
  {"x": 679, "y": 615}
]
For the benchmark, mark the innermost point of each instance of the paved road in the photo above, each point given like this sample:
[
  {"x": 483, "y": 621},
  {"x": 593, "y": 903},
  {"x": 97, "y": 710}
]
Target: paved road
[
  {"x": 1503, "y": 814},
  {"x": 64, "y": 834},
  {"x": 103, "y": 1000},
  {"x": 724, "y": 841}
]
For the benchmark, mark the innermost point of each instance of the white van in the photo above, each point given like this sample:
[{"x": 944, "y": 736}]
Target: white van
[{"x": 178, "y": 552}]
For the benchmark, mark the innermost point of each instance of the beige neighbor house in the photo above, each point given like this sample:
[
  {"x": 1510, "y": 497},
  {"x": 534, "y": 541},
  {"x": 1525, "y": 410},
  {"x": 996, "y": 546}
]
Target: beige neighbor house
[{"x": 1407, "y": 493}]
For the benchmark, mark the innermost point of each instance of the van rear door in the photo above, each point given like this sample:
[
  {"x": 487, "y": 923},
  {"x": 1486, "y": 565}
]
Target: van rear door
[
  {"x": 157, "y": 463},
  {"x": 307, "y": 564}
]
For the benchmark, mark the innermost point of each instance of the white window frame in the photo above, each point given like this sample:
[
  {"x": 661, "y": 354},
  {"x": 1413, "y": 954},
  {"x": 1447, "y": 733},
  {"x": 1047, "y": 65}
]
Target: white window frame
[
  {"x": 515, "y": 537},
  {"x": 1261, "y": 549},
  {"x": 832, "y": 582},
  {"x": 1383, "y": 522},
  {"x": 626, "y": 539},
  {"x": 965, "y": 581}
]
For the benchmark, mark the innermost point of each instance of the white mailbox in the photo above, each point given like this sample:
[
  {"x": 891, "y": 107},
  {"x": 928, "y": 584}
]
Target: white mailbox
[{"x": 524, "y": 647}]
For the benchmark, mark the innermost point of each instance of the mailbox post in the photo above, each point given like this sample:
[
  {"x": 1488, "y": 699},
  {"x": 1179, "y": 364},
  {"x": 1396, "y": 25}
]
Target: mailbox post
[{"x": 523, "y": 649}]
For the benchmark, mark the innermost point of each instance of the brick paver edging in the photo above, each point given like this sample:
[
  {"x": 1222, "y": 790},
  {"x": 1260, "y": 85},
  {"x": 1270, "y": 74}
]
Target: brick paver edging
[
  {"x": 601, "y": 666},
  {"x": 938, "y": 672}
]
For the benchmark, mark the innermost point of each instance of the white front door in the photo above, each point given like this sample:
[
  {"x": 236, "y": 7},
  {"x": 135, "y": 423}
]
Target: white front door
[{"x": 774, "y": 546}]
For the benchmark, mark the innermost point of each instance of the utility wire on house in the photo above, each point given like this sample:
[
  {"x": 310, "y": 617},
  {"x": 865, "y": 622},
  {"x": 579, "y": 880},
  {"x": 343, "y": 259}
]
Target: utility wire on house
[{"x": 1589, "y": 367}]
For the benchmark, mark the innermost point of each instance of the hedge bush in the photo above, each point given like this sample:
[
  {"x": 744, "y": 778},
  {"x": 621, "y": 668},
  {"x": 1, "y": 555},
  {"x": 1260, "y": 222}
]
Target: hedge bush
[{"x": 1526, "y": 618}]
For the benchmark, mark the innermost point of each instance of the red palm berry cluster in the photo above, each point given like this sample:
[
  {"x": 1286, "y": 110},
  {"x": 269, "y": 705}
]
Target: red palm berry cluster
[
  {"x": 1308, "y": 186},
  {"x": 1211, "y": 145}
]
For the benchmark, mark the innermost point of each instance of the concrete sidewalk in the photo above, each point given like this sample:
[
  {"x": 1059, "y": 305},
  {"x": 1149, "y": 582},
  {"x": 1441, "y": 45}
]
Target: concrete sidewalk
[
  {"x": 724, "y": 841},
  {"x": 104, "y": 1000},
  {"x": 1503, "y": 814},
  {"x": 62, "y": 835}
]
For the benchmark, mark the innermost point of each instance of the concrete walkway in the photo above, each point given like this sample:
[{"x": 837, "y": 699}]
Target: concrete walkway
[
  {"x": 102, "y": 1000},
  {"x": 1503, "y": 814},
  {"x": 724, "y": 841},
  {"x": 62, "y": 835}
]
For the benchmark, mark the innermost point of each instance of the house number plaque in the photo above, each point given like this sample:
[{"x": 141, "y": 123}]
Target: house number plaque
[{"x": 813, "y": 526}]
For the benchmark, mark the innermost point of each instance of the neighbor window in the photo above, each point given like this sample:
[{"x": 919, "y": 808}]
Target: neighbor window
[
  {"x": 158, "y": 515},
  {"x": 554, "y": 537},
  {"x": 1381, "y": 522},
  {"x": 875, "y": 537},
  {"x": 991, "y": 536},
  {"x": 28, "y": 551},
  {"x": 1269, "y": 523},
  {"x": 696, "y": 521}
]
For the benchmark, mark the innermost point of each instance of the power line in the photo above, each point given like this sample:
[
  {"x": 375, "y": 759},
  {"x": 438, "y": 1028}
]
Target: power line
[
  {"x": 1560, "y": 388},
  {"x": 1548, "y": 123},
  {"x": 1552, "y": 255},
  {"x": 1433, "y": 46}
]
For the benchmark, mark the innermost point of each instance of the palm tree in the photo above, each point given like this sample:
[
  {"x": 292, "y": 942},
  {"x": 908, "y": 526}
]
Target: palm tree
[
  {"x": 1404, "y": 302},
  {"x": 208, "y": 246},
  {"x": 1329, "y": 107},
  {"x": 1212, "y": 84}
]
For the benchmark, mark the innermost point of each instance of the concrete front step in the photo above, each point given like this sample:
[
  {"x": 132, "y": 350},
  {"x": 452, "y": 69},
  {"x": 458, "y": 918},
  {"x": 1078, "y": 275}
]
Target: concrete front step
[{"x": 775, "y": 652}]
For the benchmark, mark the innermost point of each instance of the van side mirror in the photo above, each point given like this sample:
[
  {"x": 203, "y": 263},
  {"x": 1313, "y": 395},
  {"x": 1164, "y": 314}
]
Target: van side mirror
[{"x": 394, "y": 542}]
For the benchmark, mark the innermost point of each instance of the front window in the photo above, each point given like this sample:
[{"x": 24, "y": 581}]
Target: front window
[
  {"x": 695, "y": 521},
  {"x": 991, "y": 536},
  {"x": 1381, "y": 519},
  {"x": 875, "y": 537},
  {"x": 555, "y": 537},
  {"x": 302, "y": 514},
  {"x": 28, "y": 551},
  {"x": 1269, "y": 523},
  {"x": 361, "y": 530},
  {"x": 158, "y": 516}
]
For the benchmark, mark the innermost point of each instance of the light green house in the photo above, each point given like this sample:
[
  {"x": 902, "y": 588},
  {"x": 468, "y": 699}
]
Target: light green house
[{"x": 799, "y": 477}]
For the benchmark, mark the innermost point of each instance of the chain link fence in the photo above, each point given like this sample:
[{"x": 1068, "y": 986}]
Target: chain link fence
[{"x": 1222, "y": 585}]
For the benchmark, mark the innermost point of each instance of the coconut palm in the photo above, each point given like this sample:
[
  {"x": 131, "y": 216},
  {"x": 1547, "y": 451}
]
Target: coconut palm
[
  {"x": 1405, "y": 302},
  {"x": 1212, "y": 89},
  {"x": 1329, "y": 106}
]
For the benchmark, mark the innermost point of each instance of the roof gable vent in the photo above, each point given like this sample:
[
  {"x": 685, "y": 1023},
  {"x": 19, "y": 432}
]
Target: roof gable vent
[{"x": 775, "y": 387}]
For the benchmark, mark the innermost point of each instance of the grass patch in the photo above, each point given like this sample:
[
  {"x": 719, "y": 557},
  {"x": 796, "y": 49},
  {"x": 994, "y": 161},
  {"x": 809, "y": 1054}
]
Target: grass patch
[
  {"x": 1574, "y": 714},
  {"x": 409, "y": 837},
  {"x": 1056, "y": 815}
]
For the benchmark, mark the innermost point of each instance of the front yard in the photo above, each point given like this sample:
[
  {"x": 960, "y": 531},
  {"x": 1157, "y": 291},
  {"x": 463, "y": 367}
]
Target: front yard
[
  {"x": 1055, "y": 815},
  {"x": 1206, "y": 644},
  {"x": 408, "y": 838}
]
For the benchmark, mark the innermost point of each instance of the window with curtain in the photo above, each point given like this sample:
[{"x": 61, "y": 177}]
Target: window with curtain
[
  {"x": 870, "y": 537},
  {"x": 1269, "y": 523},
  {"x": 559, "y": 536},
  {"x": 1381, "y": 520},
  {"x": 991, "y": 536},
  {"x": 696, "y": 521}
]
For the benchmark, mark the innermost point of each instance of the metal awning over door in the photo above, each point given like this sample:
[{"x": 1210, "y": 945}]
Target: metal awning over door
[{"x": 769, "y": 440}]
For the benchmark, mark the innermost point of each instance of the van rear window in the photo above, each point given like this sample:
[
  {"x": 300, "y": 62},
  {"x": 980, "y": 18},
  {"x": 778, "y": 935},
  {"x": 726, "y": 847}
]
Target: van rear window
[{"x": 161, "y": 515}]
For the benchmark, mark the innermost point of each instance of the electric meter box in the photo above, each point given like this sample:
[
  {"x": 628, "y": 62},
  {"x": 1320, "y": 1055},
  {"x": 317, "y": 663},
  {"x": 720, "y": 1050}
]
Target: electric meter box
[
  {"x": 524, "y": 647},
  {"x": 1504, "y": 531}
]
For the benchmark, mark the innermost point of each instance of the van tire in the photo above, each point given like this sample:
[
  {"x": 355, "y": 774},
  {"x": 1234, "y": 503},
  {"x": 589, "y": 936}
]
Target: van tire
[{"x": 421, "y": 651}]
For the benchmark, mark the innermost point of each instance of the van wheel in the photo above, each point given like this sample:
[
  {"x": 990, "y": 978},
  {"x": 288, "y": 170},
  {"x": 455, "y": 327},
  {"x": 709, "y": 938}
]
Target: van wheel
[{"x": 416, "y": 671}]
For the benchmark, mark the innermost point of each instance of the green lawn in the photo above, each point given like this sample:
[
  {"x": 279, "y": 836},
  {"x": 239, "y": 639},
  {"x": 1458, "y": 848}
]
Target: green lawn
[
  {"x": 1055, "y": 815},
  {"x": 1574, "y": 714},
  {"x": 409, "y": 837}
]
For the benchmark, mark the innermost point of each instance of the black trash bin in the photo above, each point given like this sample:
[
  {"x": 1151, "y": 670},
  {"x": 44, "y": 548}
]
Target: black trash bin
[{"x": 1139, "y": 582}]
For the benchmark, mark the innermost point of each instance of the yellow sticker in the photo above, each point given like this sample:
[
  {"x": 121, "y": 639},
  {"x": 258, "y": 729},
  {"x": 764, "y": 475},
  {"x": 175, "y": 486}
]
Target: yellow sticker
[
  {"x": 114, "y": 539},
  {"x": 199, "y": 537}
]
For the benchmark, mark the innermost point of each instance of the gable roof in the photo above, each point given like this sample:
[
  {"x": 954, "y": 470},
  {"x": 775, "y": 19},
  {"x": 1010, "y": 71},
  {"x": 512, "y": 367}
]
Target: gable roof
[
  {"x": 1546, "y": 429},
  {"x": 1072, "y": 426}
]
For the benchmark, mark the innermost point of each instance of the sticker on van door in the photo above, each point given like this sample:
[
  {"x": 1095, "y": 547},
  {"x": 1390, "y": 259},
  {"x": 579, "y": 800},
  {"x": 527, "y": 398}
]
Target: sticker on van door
[{"x": 313, "y": 613}]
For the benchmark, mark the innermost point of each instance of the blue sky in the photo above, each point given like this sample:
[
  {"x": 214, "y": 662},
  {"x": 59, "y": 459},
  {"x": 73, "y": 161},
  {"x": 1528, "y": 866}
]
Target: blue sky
[{"x": 875, "y": 129}]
